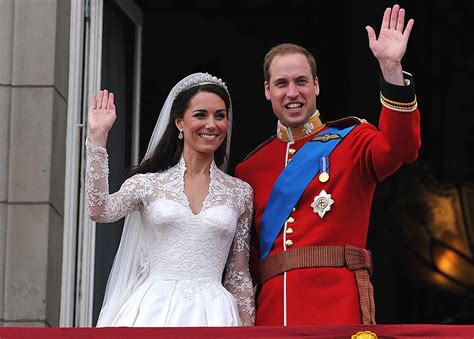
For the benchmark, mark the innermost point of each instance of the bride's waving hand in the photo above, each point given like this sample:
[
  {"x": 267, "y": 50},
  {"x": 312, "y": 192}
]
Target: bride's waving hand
[{"x": 101, "y": 117}]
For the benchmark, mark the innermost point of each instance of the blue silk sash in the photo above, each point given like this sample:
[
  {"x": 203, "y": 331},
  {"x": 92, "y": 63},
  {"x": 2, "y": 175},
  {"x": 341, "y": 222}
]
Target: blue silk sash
[{"x": 292, "y": 182}]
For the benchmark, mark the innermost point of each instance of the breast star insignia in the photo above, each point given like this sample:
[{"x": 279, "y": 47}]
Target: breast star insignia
[{"x": 322, "y": 203}]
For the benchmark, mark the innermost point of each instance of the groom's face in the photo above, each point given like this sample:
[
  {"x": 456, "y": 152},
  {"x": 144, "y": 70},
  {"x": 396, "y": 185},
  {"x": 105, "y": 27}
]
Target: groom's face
[{"x": 292, "y": 89}]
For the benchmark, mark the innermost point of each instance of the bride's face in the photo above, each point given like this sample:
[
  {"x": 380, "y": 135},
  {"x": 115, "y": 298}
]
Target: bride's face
[{"x": 204, "y": 123}]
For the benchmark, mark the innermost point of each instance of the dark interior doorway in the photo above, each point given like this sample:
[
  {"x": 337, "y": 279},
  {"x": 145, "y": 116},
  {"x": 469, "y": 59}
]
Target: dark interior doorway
[{"x": 231, "y": 42}]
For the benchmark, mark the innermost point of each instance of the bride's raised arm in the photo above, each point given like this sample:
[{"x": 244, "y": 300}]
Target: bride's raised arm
[{"x": 102, "y": 206}]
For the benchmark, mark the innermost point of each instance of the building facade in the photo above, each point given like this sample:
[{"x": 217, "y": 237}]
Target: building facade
[
  {"x": 34, "y": 59},
  {"x": 50, "y": 63}
]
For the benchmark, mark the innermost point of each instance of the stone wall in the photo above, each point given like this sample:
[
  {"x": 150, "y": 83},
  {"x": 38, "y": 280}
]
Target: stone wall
[{"x": 34, "y": 47}]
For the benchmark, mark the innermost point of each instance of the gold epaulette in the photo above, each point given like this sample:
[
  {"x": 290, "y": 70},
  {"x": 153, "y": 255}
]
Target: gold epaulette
[
  {"x": 256, "y": 149},
  {"x": 346, "y": 122}
]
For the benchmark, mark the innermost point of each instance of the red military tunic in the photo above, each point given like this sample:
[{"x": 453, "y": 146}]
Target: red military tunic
[{"x": 367, "y": 155}]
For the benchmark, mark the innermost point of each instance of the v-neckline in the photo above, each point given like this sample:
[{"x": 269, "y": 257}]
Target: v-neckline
[{"x": 185, "y": 197}]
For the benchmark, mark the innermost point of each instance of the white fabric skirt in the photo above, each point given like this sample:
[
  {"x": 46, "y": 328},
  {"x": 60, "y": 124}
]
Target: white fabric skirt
[{"x": 172, "y": 303}]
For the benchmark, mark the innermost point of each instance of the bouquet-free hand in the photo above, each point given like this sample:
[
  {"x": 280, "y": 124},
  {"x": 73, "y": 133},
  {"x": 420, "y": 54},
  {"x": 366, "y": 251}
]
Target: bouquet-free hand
[
  {"x": 101, "y": 117},
  {"x": 390, "y": 46}
]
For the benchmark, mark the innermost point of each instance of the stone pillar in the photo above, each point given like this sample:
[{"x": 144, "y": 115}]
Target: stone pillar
[
  {"x": 6, "y": 42},
  {"x": 34, "y": 38}
]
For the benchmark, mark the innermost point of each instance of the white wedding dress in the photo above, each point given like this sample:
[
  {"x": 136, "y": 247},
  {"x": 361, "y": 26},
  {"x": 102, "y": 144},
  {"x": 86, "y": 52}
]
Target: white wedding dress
[{"x": 185, "y": 253}]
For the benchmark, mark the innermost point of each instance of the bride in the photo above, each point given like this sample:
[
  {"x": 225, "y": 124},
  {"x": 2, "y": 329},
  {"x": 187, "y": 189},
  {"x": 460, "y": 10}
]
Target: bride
[{"x": 186, "y": 221}]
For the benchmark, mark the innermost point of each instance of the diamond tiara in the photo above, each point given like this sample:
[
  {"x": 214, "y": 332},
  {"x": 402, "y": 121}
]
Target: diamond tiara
[{"x": 199, "y": 80}]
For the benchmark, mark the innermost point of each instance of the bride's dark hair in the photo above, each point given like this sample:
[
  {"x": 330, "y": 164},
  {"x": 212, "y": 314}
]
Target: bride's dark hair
[{"x": 168, "y": 151}]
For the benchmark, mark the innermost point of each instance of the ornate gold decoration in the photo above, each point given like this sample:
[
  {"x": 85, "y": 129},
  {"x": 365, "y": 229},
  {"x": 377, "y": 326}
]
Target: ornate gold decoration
[
  {"x": 326, "y": 137},
  {"x": 310, "y": 127},
  {"x": 364, "y": 335}
]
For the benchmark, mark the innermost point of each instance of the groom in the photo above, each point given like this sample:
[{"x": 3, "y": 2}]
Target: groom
[{"x": 314, "y": 183}]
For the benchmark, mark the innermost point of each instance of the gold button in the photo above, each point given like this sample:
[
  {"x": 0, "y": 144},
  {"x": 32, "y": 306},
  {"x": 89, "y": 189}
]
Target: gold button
[
  {"x": 289, "y": 243},
  {"x": 289, "y": 230},
  {"x": 291, "y": 151},
  {"x": 290, "y": 220}
]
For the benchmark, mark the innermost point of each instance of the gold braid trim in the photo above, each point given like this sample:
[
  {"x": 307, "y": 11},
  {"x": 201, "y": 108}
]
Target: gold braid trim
[
  {"x": 398, "y": 102},
  {"x": 399, "y": 106}
]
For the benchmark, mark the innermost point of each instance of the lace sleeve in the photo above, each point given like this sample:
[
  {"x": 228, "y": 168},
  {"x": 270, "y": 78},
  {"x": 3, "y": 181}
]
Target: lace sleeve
[
  {"x": 237, "y": 278},
  {"x": 102, "y": 206}
]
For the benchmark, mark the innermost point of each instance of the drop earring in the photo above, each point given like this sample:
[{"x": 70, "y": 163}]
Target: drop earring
[{"x": 180, "y": 135}]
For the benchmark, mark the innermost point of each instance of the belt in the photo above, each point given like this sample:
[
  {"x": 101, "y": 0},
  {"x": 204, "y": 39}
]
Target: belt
[{"x": 356, "y": 259}]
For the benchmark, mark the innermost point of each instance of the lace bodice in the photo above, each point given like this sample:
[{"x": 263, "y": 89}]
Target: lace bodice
[{"x": 193, "y": 249}]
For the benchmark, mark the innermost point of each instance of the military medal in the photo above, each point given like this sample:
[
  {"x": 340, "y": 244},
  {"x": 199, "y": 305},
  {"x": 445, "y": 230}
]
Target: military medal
[
  {"x": 322, "y": 203},
  {"x": 324, "y": 177},
  {"x": 324, "y": 166}
]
